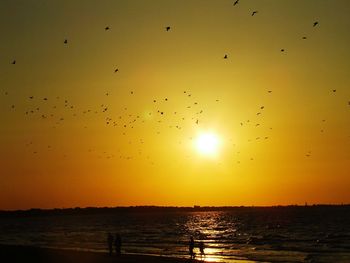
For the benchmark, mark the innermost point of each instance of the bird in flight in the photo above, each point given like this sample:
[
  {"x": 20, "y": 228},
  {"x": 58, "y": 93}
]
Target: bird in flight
[
  {"x": 254, "y": 12},
  {"x": 65, "y": 41},
  {"x": 116, "y": 70},
  {"x": 282, "y": 50},
  {"x": 334, "y": 90},
  {"x": 14, "y": 62},
  {"x": 167, "y": 28},
  {"x": 31, "y": 97},
  {"x": 304, "y": 37},
  {"x": 107, "y": 28},
  {"x": 315, "y": 23},
  {"x": 226, "y": 56},
  {"x": 236, "y": 2}
]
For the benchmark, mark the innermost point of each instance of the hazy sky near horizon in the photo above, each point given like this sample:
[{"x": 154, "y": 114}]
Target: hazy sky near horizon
[{"x": 73, "y": 132}]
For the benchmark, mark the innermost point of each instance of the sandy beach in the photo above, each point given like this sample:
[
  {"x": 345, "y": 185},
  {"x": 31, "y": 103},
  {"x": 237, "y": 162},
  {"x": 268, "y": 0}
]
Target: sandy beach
[{"x": 9, "y": 253}]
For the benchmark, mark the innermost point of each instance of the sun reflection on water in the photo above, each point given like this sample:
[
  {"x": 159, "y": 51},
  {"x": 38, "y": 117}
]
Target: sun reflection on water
[
  {"x": 210, "y": 255},
  {"x": 209, "y": 229}
]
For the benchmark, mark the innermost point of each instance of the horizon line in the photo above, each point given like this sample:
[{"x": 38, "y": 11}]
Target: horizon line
[{"x": 171, "y": 206}]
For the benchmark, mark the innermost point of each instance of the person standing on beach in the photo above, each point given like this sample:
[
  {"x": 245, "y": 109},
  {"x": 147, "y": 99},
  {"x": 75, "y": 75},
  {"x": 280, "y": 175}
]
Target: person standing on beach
[
  {"x": 201, "y": 249},
  {"x": 110, "y": 243},
  {"x": 118, "y": 244},
  {"x": 191, "y": 247}
]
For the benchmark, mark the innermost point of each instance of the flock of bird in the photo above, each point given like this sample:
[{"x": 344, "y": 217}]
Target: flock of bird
[{"x": 57, "y": 108}]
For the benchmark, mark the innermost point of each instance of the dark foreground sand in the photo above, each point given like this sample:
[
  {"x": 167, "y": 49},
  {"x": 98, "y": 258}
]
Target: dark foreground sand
[{"x": 25, "y": 254}]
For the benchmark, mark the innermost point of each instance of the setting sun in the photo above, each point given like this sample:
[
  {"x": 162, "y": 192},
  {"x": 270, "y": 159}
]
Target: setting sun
[{"x": 207, "y": 144}]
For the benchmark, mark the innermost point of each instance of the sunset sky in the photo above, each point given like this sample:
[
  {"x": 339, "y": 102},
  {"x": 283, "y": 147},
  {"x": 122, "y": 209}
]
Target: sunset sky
[{"x": 73, "y": 132}]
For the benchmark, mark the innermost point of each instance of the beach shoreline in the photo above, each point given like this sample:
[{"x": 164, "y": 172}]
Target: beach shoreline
[{"x": 20, "y": 253}]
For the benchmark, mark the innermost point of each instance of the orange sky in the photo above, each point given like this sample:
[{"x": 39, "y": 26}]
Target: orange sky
[{"x": 72, "y": 152}]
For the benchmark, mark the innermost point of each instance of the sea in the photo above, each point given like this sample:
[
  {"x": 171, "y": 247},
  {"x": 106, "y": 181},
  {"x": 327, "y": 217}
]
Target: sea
[{"x": 241, "y": 234}]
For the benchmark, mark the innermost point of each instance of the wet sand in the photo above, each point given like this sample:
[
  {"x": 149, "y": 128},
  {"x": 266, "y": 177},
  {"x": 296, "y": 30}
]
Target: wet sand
[{"x": 27, "y": 254}]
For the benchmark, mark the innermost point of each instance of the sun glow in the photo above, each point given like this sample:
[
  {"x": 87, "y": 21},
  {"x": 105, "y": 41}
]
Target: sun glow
[{"x": 208, "y": 144}]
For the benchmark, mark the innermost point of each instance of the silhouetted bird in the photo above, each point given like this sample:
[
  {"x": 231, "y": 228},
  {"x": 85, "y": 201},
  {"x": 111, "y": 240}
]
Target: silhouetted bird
[
  {"x": 315, "y": 23},
  {"x": 65, "y": 41},
  {"x": 107, "y": 28},
  {"x": 14, "y": 62},
  {"x": 254, "y": 12},
  {"x": 167, "y": 28},
  {"x": 225, "y": 57},
  {"x": 334, "y": 90},
  {"x": 116, "y": 70},
  {"x": 304, "y": 37},
  {"x": 236, "y": 2},
  {"x": 282, "y": 50},
  {"x": 31, "y": 97},
  {"x": 269, "y": 91}
]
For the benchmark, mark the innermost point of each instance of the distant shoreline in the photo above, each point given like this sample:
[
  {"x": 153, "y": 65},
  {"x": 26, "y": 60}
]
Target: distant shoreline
[{"x": 146, "y": 209}]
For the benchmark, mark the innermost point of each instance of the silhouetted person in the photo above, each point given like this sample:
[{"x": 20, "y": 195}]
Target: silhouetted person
[
  {"x": 118, "y": 244},
  {"x": 110, "y": 243},
  {"x": 201, "y": 249},
  {"x": 191, "y": 247}
]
